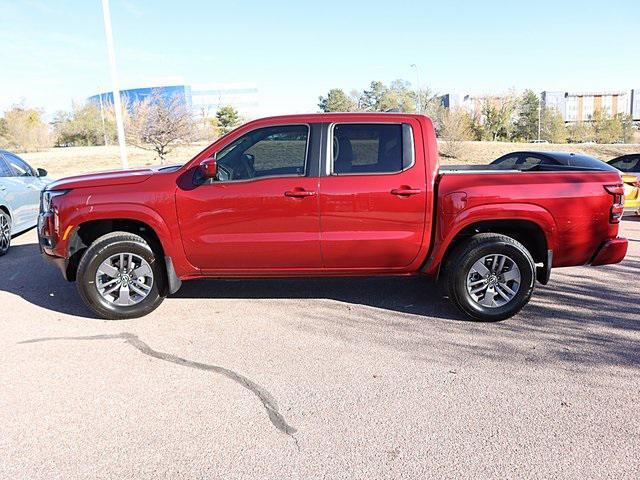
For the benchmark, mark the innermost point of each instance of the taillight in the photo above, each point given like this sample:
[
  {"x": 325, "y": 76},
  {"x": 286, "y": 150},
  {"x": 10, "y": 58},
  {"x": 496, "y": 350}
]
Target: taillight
[{"x": 617, "y": 209}]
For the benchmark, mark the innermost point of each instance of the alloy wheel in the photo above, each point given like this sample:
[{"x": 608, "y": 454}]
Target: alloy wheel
[
  {"x": 5, "y": 233},
  {"x": 493, "y": 281},
  {"x": 124, "y": 279}
]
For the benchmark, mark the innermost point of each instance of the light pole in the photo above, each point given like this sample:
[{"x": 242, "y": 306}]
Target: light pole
[
  {"x": 418, "y": 87},
  {"x": 117, "y": 105},
  {"x": 539, "y": 115}
]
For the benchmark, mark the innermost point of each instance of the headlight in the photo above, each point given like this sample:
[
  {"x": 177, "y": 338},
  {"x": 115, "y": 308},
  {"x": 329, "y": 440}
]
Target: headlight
[{"x": 45, "y": 199}]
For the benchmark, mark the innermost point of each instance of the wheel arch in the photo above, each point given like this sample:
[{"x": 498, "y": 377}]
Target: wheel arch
[
  {"x": 531, "y": 225},
  {"x": 527, "y": 232},
  {"x": 84, "y": 234}
]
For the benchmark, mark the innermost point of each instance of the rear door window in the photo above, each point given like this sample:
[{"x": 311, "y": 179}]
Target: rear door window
[{"x": 359, "y": 148}]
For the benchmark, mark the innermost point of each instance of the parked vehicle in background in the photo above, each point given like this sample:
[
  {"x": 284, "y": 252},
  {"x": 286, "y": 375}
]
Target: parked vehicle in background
[
  {"x": 630, "y": 166},
  {"x": 627, "y": 163},
  {"x": 328, "y": 195},
  {"x": 20, "y": 187},
  {"x": 540, "y": 141},
  {"x": 548, "y": 161},
  {"x": 631, "y": 193}
]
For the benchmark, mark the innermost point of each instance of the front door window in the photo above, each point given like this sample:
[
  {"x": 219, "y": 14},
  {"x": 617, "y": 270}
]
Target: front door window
[{"x": 265, "y": 152}]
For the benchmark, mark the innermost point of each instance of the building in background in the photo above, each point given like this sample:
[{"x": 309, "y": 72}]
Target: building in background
[
  {"x": 580, "y": 106},
  {"x": 203, "y": 100},
  {"x": 573, "y": 106},
  {"x": 473, "y": 104},
  {"x": 634, "y": 101}
]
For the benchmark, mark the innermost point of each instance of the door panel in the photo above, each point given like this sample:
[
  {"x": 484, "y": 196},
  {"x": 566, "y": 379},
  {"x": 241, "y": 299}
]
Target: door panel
[
  {"x": 365, "y": 226},
  {"x": 15, "y": 196},
  {"x": 373, "y": 220},
  {"x": 27, "y": 187},
  {"x": 251, "y": 225},
  {"x": 262, "y": 213}
]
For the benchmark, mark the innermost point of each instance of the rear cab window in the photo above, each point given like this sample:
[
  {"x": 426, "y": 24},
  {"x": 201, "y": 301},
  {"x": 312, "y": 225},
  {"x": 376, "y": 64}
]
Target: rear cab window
[{"x": 365, "y": 148}]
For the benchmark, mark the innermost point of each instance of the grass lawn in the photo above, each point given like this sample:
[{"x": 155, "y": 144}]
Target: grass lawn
[{"x": 61, "y": 162}]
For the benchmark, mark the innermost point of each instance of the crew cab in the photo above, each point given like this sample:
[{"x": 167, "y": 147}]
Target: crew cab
[{"x": 354, "y": 194}]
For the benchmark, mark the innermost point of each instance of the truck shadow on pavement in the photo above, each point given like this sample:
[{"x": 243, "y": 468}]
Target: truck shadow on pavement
[
  {"x": 26, "y": 275},
  {"x": 586, "y": 316}
]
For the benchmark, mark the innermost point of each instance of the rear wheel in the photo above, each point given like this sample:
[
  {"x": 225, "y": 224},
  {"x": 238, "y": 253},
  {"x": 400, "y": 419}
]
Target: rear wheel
[
  {"x": 490, "y": 277},
  {"x": 5, "y": 232},
  {"x": 120, "y": 277}
]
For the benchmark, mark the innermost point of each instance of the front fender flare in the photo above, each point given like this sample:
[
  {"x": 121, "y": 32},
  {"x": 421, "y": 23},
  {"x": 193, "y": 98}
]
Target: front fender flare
[{"x": 121, "y": 211}]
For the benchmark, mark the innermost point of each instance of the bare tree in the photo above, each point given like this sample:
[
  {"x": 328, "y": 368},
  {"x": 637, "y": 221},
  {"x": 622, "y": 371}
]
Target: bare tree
[
  {"x": 455, "y": 129},
  {"x": 158, "y": 124}
]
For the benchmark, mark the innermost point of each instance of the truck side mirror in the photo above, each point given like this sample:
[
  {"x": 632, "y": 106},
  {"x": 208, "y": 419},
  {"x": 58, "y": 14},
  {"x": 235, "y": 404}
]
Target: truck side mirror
[
  {"x": 42, "y": 172},
  {"x": 209, "y": 168}
]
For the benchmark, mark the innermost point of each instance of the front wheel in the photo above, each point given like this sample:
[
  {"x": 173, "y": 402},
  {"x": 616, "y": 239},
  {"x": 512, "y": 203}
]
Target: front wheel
[
  {"x": 490, "y": 277},
  {"x": 120, "y": 277},
  {"x": 5, "y": 232}
]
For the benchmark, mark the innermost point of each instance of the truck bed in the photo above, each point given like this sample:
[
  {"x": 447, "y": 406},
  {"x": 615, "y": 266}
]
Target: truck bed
[{"x": 571, "y": 207}]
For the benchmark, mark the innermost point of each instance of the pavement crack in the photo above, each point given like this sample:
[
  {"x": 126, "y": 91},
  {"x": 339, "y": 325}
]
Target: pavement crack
[{"x": 269, "y": 403}]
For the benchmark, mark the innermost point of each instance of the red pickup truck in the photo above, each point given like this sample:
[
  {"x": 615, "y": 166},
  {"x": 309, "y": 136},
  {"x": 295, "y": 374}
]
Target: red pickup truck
[{"x": 328, "y": 195}]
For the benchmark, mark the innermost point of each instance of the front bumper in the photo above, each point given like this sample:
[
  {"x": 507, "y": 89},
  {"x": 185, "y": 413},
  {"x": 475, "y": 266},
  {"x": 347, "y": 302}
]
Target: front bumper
[{"x": 611, "y": 251}]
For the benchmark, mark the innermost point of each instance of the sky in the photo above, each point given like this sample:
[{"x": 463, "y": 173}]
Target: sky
[{"x": 54, "y": 52}]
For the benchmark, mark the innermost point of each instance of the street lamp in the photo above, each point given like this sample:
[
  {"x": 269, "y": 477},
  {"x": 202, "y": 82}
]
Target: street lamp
[
  {"x": 418, "y": 86},
  {"x": 117, "y": 105},
  {"x": 539, "y": 115}
]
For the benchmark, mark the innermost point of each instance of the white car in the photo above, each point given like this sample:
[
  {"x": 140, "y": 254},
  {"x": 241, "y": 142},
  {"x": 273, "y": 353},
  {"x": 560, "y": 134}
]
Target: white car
[{"x": 20, "y": 187}]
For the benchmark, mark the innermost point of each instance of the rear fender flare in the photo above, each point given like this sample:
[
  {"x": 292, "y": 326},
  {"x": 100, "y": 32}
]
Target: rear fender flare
[{"x": 451, "y": 225}]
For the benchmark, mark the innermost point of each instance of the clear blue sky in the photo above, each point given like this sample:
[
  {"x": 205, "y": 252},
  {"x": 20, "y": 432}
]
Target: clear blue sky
[{"x": 54, "y": 51}]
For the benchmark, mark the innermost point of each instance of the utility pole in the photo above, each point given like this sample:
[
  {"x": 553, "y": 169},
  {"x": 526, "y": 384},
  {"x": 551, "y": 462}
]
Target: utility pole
[
  {"x": 418, "y": 87},
  {"x": 117, "y": 105}
]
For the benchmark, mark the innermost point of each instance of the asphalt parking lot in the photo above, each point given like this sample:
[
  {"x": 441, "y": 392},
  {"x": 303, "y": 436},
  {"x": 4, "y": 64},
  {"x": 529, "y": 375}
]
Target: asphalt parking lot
[{"x": 371, "y": 378}]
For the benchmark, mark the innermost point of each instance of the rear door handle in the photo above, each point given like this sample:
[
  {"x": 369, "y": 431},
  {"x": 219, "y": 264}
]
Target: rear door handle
[
  {"x": 299, "y": 193},
  {"x": 405, "y": 192}
]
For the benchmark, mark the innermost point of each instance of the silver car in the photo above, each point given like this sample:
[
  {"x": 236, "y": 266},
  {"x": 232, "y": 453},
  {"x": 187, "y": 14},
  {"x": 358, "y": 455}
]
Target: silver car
[{"x": 20, "y": 187}]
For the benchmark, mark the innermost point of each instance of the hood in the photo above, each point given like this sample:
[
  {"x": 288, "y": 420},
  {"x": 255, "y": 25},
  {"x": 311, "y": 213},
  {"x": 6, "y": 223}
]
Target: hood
[{"x": 103, "y": 179}]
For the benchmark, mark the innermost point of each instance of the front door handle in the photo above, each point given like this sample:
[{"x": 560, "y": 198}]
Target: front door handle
[
  {"x": 405, "y": 191},
  {"x": 299, "y": 193}
]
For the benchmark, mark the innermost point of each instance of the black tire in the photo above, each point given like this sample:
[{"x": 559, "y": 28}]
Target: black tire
[
  {"x": 104, "y": 248},
  {"x": 5, "y": 239},
  {"x": 461, "y": 261}
]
